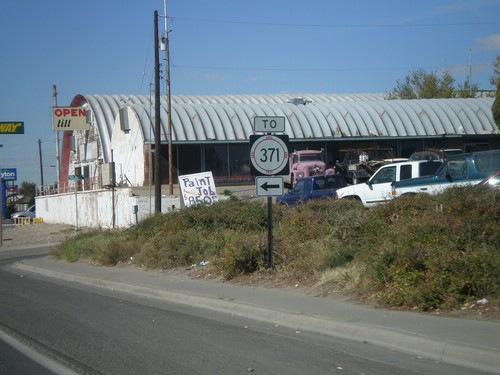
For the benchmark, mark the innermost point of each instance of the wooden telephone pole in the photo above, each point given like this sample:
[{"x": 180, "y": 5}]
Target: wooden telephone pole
[
  {"x": 157, "y": 171},
  {"x": 169, "y": 105}
]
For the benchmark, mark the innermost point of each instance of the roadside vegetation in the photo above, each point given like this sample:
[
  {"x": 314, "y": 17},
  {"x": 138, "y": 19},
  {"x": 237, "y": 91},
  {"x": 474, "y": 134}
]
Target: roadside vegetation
[{"x": 420, "y": 251}]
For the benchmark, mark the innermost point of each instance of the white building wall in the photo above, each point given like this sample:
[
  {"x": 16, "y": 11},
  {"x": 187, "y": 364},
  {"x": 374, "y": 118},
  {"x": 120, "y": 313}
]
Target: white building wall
[
  {"x": 128, "y": 151},
  {"x": 94, "y": 209}
]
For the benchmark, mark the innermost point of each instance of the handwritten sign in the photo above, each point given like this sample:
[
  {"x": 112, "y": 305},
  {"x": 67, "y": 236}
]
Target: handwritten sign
[{"x": 198, "y": 188}]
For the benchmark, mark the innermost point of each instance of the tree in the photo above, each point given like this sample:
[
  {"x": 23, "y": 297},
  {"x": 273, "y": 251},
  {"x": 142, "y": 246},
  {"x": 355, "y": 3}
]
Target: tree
[
  {"x": 495, "y": 78},
  {"x": 495, "y": 109},
  {"x": 422, "y": 85},
  {"x": 28, "y": 189},
  {"x": 467, "y": 90}
]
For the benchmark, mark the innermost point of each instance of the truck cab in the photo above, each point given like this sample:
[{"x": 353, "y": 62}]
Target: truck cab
[
  {"x": 314, "y": 187},
  {"x": 306, "y": 163}
]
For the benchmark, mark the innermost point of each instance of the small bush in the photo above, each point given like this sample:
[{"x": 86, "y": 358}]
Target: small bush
[{"x": 242, "y": 255}]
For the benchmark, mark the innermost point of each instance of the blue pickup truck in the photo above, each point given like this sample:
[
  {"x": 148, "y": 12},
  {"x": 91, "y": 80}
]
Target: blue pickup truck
[
  {"x": 458, "y": 170},
  {"x": 314, "y": 187}
]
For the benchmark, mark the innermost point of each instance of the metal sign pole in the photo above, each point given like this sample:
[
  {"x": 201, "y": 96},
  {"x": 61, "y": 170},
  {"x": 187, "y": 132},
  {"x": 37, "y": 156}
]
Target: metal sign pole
[
  {"x": 269, "y": 232},
  {"x": 1, "y": 212},
  {"x": 269, "y": 157}
]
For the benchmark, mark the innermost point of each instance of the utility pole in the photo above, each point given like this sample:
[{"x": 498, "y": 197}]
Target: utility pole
[
  {"x": 169, "y": 105},
  {"x": 54, "y": 95},
  {"x": 157, "y": 171},
  {"x": 41, "y": 164},
  {"x": 470, "y": 72}
]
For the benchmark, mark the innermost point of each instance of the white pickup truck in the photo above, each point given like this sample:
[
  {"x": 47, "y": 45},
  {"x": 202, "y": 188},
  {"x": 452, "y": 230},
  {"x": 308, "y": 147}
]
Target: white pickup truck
[{"x": 378, "y": 188}]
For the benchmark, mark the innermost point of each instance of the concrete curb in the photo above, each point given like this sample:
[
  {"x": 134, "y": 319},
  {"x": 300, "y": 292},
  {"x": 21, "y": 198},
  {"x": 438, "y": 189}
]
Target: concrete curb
[{"x": 469, "y": 356}]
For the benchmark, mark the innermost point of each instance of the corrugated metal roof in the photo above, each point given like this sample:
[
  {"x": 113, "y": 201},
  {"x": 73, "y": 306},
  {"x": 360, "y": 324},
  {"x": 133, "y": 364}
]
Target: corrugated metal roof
[
  {"x": 274, "y": 98},
  {"x": 230, "y": 118}
]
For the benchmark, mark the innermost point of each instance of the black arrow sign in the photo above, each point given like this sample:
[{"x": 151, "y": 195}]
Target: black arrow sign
[{"x": 267, "y": 186}]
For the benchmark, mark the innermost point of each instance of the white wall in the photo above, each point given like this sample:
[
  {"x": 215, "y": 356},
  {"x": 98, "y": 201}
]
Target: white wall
[
  {"x": 94, "y": 209},
  {"x": 128, "y": 150}
]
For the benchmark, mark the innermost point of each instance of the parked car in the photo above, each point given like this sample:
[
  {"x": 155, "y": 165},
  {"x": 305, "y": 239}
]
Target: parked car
[
  {"x": 493, "y": 180},
  {"x": 314, "y": 187},
  {"x": 378, "y": 188},
  {"x": 30, "y": 212}
]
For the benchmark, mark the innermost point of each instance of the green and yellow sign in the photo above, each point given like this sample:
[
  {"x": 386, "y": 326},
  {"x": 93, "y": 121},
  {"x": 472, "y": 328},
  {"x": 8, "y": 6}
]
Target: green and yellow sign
[{"x": 12, "y": 127}]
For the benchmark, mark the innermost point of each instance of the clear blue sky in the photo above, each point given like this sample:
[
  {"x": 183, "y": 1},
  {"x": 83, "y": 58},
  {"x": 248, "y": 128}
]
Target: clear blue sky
[{"x": 225, "y": 47}]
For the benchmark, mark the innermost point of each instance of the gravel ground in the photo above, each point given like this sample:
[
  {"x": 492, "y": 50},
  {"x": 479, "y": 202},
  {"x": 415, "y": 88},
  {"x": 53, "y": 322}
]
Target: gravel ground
[{"x": 35, "y": 234}]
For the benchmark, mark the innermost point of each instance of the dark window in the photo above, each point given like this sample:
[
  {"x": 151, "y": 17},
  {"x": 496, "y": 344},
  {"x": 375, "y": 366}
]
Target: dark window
[
  {"x": 488, "y": 163},
  {"x": 216, "y": 160},
  {"x": 333, "y": 182},
  {"x": 405, "y": 172},
  {"x": 457, "y": 167},
  {"x": 385, "y": 175},
  {"x": 319, "y": 184},
  {"x": 426, "y": 169},
  {"x": 239, "y": 158}
]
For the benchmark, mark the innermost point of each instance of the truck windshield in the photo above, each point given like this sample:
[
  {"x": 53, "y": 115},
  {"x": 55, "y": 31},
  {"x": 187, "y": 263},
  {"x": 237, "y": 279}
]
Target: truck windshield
[{"x": 310, "y": 157}]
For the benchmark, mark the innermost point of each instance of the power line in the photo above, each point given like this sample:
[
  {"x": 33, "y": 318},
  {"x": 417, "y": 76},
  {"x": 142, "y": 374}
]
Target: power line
[
  {"x": 204, "y": 67},
  {"x": 346, "y": 25}
]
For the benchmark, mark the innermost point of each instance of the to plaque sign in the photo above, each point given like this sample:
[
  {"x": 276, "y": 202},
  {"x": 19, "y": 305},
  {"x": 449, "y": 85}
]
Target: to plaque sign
[{"x": 269, "y": 124}]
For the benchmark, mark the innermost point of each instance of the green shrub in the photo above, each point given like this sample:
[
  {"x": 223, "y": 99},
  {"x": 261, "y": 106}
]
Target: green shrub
[
  {"x": 242, "y": 254},
  {"x": 90, "y": 245},
  {"x": 435, "y": 251},
  {"x": 416, "y": 251}
]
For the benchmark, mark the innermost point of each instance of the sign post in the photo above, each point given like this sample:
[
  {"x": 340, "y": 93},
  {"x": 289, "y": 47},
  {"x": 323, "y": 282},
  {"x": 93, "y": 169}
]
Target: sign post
[
  {"x": 7, "y": 127},
  {"x": 1, "y": 212},
  {"x": 269, "y": 157}
]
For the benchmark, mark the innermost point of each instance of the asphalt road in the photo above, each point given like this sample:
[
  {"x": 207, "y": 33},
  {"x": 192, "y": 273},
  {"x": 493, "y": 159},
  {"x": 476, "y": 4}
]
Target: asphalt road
[{"x": 94, "y": 331}]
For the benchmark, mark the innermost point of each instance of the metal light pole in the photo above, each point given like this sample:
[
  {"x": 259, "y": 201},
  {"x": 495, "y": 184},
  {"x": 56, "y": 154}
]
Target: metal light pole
[
  {"x": 58, "y": 163},
  {"x": 41, "y": 164}
]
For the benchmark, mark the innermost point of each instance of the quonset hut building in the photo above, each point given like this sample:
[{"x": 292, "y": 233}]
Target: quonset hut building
[{"x": 211, "y": 133}]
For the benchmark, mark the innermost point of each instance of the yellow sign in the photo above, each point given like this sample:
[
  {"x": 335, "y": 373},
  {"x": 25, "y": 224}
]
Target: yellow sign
[
  {"x": 12, "y": 127},
  {"x": 69, "y": 118}
]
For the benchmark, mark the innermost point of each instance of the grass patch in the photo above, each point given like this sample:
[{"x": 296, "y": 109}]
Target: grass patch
[{"x": 429, "y": 252}]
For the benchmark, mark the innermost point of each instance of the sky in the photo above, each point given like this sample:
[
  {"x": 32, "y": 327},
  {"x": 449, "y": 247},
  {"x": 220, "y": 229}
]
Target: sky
[{"x": 224, "y": 47}]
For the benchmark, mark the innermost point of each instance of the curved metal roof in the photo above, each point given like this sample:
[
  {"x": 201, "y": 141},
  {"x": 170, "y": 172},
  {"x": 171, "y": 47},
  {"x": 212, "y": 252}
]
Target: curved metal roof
[
  {"x": 229, "y": 118},
  {"x": 275, "y": 98}
]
